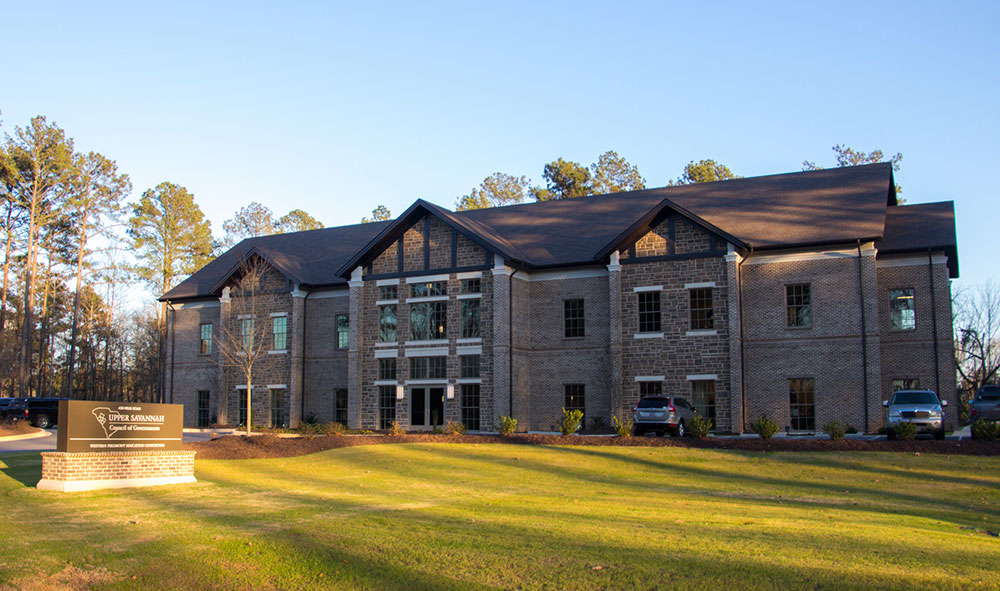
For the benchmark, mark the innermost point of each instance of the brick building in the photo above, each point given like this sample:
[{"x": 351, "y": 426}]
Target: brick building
[{"x": 806, "y": 297}]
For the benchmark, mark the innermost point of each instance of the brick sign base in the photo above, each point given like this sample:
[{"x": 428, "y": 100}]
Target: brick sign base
[{"x": 69, "y": 471}]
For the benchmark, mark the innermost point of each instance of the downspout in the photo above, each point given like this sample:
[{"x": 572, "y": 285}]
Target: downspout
[
  {"x": 173, "y": 346},
  {"x": 864, "y": 334},
  {"x": 510, "y": 344},
  {"x": 743, "y": 363},
  {"x": 302, "y": 370},
  {"x": 937, "y": 368}
]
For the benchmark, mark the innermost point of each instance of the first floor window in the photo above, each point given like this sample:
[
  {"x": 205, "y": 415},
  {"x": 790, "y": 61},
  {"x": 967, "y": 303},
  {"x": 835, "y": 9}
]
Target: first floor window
[
  {"x": 204, "y": 408},
  {"x": 470, "y": 406},
  {"x": 902, "y": 312},
  {"x": 649, "y": 311},
  {"x": 428, "y": 321},
  {"x": 798, "y": 305},
  {"x": 470, "y": 319},
  {"x": 574, "y": 400},
  {"x": 387, "y": 324},
  {"x": 802, "y": 404},
  {"x": 343, "y": 331},
  {"x": 650, "y": 389},
  {"x": 340, "y": 405},
  {"x": 279, "y": 409},
  {"x": 241, "y": 397},
  {"x": 386, "y": 406},
  {"x": 573, "y": 326},
  {"x": 387, "y": 292},
  {"x": 387, "y": 368},
  {"x": 701, "y": 309},
  {"x": 206, "y": 339},
  {"x": 471, "y": 286},
  {"x": 428, "y": 368},
  {"x": 469, "y": 366},
  {"x": 280, "y": 333},
  {"x": 703, "y": 398},
  {"x": 905, "y": 384}
]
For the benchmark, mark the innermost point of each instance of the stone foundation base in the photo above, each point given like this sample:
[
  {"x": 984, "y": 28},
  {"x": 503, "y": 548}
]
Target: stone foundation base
[{"x": 65, "y": 471}]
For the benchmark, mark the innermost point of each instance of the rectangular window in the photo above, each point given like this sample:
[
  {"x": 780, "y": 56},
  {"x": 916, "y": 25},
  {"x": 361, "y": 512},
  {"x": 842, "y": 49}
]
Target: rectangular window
[
  {"x": 470, "y": 319},
  {"x": 343, "y": 331},
  {"x": 204, "y": 408},
  {"x": 386, "y": 406},
  {"x": 471, "y": 286},
  {"x": 387, "y": 292},
  {"x": 280, "y": 330},
  {"x": 469, "y": 367},
  {"x": 387, "y": 368},
  {"x": 574, "y": 400},
  {"x": 246, "y": 331},
  {"x": 206, "y": 339},
  {"x": 573, "y": 318},
  {"x": 279, "y": 409},
  {"x": 802, "y": 404},
  {"x": 798, "y": 302},
  {"x": 428, "y": 321},
  {"x": 902, "y": 312},
  {"x": 650, "y": 389},
  {"x": 470, "y": 406},
  {"x": 423, "y": 290},
  {"x": 703, "y": 398},
  {"x": 649, "y": 311},
  {"x": 701, "y": 309},
  {"x": 905, "y": 384},
  {"x": 241, "y": 397},
  {"x": 340, "y": 406},
  {"x": 428, "y": 368},
  {"x": 387, "y": 324}
]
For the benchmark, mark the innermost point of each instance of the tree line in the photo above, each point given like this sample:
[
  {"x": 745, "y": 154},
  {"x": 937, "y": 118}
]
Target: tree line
[{"x": 72, "y": 244}]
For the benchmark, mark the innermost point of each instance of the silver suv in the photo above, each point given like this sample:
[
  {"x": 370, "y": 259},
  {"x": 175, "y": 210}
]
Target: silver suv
[
  {"x": 920, "y": 407},
  {"x": 660, "y": 414},
  {"x": 986, "y": 404}
]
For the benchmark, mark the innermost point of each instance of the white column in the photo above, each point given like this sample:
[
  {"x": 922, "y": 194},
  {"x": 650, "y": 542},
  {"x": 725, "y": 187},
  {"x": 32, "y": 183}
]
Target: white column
[{"x": 354, "y": 386}]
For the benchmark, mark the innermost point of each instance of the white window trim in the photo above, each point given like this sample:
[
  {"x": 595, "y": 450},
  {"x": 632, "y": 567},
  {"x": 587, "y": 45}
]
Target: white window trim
[
  {"x": 701, "y": 333},
  {"x": 699, "y": 285},
  {"x": 420, "y": 300},
  {"x": 386, "y": 382},
  {"x": 278, "y": 314},
  {"x": 650, "y": 378},
  {"x": 435, "y": 352},
  {"x": 469, "y": 275},
  {"x": 387, "y": 344},
  {"x": 702, "y": 377},
  {"x": 386, "y": 353},
  {"x": 427, "y": 382},
  {"x": 470, "y": 341},
  {"x": 469, "y": 351},
  {"x": 386, "y": 302},
  {"x": 245, "y": 317},
  {"x": 427, "y": 279},
  {"x": 430, "y": 342},
  {"x": 386, "y": 282},
  {"x": 277, "y": 352},
  {"x": 648, "y": 335},
  {"x": 648, "y": 288},
  {"x": 469, "y": 381},
  {"x": 277, "y": 387},
  {"x": 469, "y": 296}
]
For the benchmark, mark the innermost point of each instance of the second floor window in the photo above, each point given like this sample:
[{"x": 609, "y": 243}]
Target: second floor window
[
  {"x": 246, "y": 331},
  {"x": 470, "y": 319},
  {"x": 387, "y": 368},
  {"x": 649, "y": 311},
  {"x": 422, "y": 290},
  {"x": 206, "y": 339},
  {"x": 343, "y": 331},
  {"x": 701, "y": 309},
  {"x": 387, "y": 324},
  {"x": 573, "y": 326},
  {"x": 280, "y": 331},
  {"x": 902, "y": 312},
  {"x": 469, "y": 366},
  {"x": 428, "y": 368},
  {"x": 798, "y": 303},
  {"x": 428, "y": 321}
]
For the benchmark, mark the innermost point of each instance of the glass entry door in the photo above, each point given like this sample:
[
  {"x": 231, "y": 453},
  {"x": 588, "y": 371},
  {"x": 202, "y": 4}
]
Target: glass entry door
[{"x": 426, "y": 407}]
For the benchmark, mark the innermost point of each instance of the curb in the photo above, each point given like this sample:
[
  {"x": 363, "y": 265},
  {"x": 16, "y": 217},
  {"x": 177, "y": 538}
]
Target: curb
[{"x": 38, "y": 433}]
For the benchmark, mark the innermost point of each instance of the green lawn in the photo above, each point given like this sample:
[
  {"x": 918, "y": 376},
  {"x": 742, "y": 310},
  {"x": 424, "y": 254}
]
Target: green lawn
[{"x": 423, "y": 517}]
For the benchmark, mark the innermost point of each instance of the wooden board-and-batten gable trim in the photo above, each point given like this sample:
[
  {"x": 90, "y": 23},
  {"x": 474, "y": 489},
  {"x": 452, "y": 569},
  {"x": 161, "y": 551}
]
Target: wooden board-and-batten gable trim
[{"x": 667, "y": 210}]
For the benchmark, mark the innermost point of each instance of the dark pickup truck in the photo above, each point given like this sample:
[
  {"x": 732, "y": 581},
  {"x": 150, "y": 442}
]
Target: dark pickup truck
[{"x": 40, "y": 412}]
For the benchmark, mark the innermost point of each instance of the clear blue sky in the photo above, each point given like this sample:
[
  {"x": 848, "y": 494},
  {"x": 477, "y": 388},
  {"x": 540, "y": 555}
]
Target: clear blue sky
[{"x": 337, "y": 107}]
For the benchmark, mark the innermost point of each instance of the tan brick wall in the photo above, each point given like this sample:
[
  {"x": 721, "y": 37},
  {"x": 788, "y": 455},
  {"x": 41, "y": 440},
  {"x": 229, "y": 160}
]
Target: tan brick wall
[{"x": 64, "y": 466}]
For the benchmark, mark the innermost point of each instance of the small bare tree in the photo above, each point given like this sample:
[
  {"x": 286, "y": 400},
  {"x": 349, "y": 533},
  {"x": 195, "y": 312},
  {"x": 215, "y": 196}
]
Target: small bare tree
[
  {"x": 977, "y": 335},
  {"x": 243, "y": 338}
]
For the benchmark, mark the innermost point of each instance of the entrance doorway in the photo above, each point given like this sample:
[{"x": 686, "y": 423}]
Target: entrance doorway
[{"x": 426, "y": 407}]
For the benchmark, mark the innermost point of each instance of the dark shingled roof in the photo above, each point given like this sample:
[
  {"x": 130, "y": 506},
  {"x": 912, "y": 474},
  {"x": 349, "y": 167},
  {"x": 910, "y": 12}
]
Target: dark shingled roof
[
  {"x": 922, "y": 227},
  {"x": 775, "y": 211}
]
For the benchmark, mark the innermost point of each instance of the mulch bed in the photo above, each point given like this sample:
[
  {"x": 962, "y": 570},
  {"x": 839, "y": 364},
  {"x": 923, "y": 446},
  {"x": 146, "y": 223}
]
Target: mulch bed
[{"x": 234, "y": 447}]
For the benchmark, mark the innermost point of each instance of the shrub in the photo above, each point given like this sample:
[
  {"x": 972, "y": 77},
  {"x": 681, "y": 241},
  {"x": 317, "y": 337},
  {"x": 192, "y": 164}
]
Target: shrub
[
  {"x": 764, "y": 427},
  {"x": 622, "y": 427},
  {"x": 336, "y": 429},
  {"x": 850, "y": 429},
  {"x": 699, "y": 426},
  {"x": 507, "y": 425},
  {"x": 310, "y": 430},
  {"x": 904, "y": 430},
  {"x": 396, "y": 429},
  {"x": 570, "y": 421},
  {"x": 985, "y": 430},
  {"x": 597, "y": 423},
  {"x": 453, "y": 428},
  {"x": 835, "y": 429}
]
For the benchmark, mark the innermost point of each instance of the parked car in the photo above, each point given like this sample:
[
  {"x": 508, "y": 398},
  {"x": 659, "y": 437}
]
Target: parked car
[
  {"x": 661, "y": 414},
  {"x": 4, "y": 403},
  {"x": 40, "y": 412},
  {"x": 986, "y": 404},
  {"x": 920, "y": 407}
]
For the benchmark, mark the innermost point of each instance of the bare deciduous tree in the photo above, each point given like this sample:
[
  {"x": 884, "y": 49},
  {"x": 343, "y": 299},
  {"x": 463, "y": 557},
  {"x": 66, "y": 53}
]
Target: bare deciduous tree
[
  {"x": 243, "y": 338},
  {"x": 977, "y": 334}
]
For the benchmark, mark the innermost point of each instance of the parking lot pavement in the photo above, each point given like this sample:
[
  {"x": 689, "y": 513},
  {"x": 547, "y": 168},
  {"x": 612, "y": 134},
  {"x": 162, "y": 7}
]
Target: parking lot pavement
[{"x": 48, "y": 443}]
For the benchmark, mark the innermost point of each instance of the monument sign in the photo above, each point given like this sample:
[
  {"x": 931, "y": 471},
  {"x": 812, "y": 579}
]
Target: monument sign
[{"x": 86, "y": 425}]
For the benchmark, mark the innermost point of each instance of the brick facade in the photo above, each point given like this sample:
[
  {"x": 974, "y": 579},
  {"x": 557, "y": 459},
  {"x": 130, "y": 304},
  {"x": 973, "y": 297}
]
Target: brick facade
[{"x": 64, "y": 471}]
